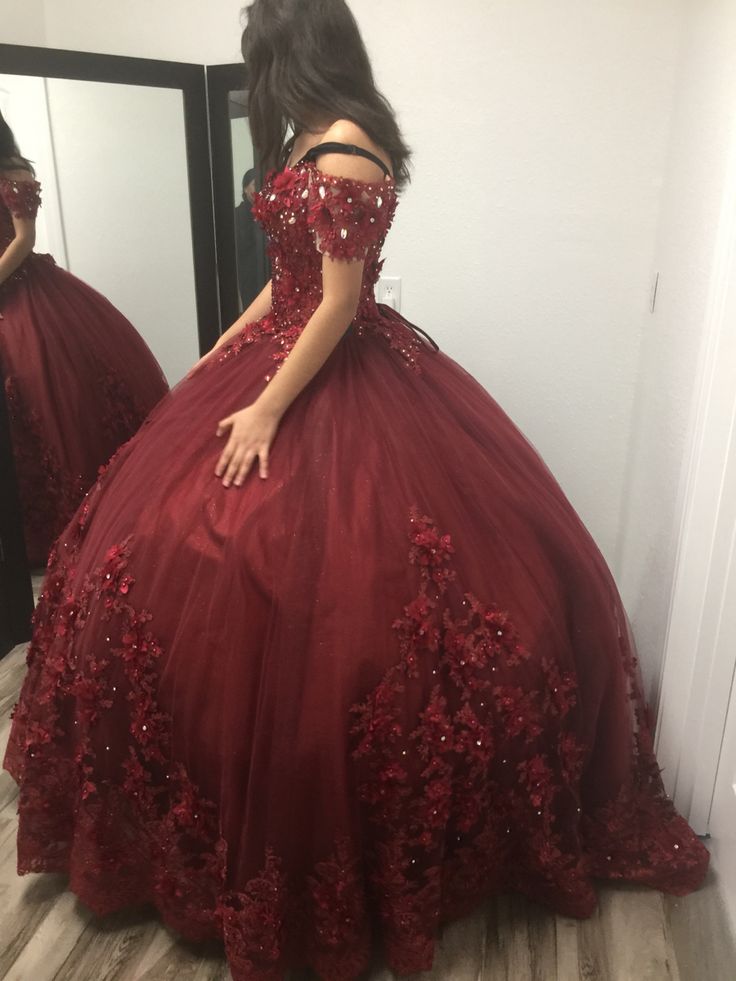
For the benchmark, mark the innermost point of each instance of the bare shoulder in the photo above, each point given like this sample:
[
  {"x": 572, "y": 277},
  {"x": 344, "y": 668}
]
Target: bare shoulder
[{"x": 344, "y": 165}]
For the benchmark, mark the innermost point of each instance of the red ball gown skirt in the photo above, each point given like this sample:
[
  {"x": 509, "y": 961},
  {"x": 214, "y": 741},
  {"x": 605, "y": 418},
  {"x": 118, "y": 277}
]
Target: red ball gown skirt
[
  {"x": 79, "y": 381},
  {"x": 339, "y": 706}
]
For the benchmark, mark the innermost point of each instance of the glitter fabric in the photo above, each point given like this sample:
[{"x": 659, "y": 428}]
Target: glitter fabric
[{"x": 323, "y": 714}]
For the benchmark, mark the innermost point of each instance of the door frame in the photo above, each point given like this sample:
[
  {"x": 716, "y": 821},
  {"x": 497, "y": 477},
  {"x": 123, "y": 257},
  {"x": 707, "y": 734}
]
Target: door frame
[
  {"x": 699, "y": 664},
  {"x": 221, "y": 80}
]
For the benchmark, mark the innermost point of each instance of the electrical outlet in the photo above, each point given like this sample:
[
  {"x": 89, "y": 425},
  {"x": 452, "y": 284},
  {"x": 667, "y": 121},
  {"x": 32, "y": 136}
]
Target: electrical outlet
[{"x": 388, "y": 291}]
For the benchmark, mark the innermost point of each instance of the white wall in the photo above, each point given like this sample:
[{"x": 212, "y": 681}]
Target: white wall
[
  {"x": 198, "y": 31},
  {"x": 526, "y": 240},
  {"x": 122, "y": 175},
  {"x": 692, "y": 200},
  {"x": 22, "y": 22}
]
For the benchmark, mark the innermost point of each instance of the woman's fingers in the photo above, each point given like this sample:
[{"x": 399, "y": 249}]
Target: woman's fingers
[
  {"x": 237, "y": 458},
  {"x": 226, "y": 454},
  {"x": 245, "y": 464},
  {"x": 232, "y": 466},
  {"x": 233, "y": 463},
  {"x": 223, "y": 461},
  {"x": 263, "y": 462}
]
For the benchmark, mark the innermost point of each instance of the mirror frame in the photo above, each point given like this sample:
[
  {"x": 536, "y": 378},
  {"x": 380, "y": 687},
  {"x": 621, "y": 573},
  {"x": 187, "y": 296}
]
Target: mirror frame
[
  {"x": 221, "y": 80},
  {"x": 191, "y": 81},
  {"x": 16, "y": 590}
]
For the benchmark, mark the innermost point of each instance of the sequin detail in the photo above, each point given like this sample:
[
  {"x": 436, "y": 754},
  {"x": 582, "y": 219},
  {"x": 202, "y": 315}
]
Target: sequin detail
[
  {"x": 467, "y": 787},
  {"x": 306, "y": 214},
  {"x": 487, "y": 784},
  {"x": 22, "y": 199}
]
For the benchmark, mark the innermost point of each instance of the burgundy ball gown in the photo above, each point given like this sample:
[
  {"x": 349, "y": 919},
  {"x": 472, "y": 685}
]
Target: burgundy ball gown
[
  {"x": 335, "y": 708},
  {"x": 79, "y": 379}
]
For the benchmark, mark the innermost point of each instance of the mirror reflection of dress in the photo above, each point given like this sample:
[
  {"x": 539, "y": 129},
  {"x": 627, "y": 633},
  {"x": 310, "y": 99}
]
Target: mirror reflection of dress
[{"x": 79, "y": 379}]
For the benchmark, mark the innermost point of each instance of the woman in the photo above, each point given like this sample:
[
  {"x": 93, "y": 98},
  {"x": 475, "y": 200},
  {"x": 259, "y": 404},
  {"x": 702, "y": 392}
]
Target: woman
[
  {"x": 326, "y": 657},
  {"x": 79, "y": 380}
]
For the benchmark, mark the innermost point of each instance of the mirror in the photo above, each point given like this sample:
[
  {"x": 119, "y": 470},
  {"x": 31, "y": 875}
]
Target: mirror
[
  {"x": 117, "y": 152},
  {"x": 248, "y": 235},
  {"x": 88, "y": 356},
  {"x": 118, "y": 298}
]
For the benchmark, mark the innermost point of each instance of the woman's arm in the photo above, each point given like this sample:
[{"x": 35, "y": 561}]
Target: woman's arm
[
  {"x": 253, "y": 429},
  {"x": 258, "y": 308},
  {"x": 341, "y": 282},
  {"x": 20, "y": 248}
]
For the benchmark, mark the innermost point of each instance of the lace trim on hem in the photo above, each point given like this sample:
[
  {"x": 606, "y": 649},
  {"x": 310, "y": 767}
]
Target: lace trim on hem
[{"x": 480, "y": 794}]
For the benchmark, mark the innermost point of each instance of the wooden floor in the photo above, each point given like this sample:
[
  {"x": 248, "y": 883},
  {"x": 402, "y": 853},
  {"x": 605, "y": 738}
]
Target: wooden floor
[{"x": 635, "y": 935}]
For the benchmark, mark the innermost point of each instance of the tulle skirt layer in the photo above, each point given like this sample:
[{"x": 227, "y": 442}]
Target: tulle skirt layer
[
  {"x": 79, "y": 380},
  {"x": 330, "y": 710}
]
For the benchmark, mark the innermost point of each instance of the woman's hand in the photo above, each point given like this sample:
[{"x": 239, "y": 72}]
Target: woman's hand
[{"x": 251, "y": 433}]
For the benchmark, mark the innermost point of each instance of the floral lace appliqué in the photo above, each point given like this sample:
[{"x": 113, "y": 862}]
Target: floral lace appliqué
[
  {"x": 465, "y": 763},
  {"x": 306, "y": 214},
  {"x": 19, "y": 199}
]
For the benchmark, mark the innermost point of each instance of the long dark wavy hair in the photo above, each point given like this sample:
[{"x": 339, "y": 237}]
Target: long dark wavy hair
[
  {"x": 305, "y": 61},
  {"x": 10, "y": 156}
]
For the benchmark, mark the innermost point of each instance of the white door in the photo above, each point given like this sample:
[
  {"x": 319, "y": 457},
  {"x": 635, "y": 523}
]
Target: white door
[
  {"x": 696, "y": 732},
  {"x": 722, "y": 823}
]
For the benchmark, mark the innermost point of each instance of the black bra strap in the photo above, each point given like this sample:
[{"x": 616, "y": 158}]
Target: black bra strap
[{"x": 315, "y": 151}]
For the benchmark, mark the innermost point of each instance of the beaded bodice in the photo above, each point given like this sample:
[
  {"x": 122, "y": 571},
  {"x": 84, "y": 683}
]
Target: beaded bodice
[
  {"x": 307, "y": 213},
  {"x": 19, "y": 199}
]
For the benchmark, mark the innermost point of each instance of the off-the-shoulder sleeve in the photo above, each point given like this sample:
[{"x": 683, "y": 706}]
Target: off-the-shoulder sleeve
[
  {"x": 22, "y": 198},
  {"x": 347, "y": 215}
]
